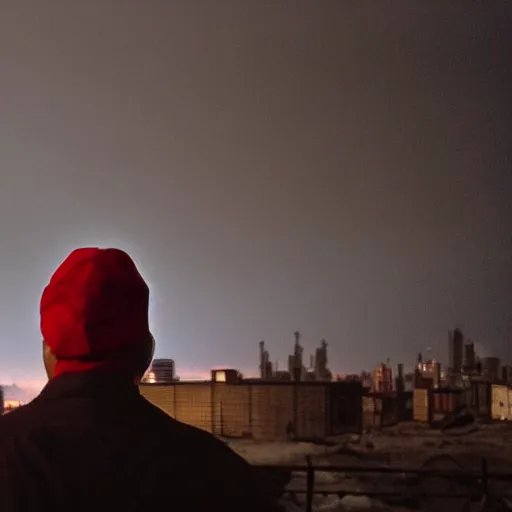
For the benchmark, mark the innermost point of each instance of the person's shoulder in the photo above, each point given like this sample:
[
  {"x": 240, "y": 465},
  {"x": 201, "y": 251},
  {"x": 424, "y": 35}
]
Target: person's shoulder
[
  {"x": 233, "y": 483},
  {"x": 205, "y": 441},
  {"x": 195, "y": 446},
  {"x": 18, "y": 420},
  {"x": 227, "y": 478},
  {"x": 176, "y": 429},
  {"x": 16, "y": 425}
]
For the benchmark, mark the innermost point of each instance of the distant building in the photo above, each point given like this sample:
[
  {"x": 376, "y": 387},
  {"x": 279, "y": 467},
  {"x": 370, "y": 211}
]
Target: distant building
[
  {"x": 383, "y": 379},
  {"x": 227, "y": 376},
  {"x": 265, "y": 364},
  {"x": 409, "y": 381},
  {"x": 455, "y": 352},
  {"x": 297, "y": 371},
  {"x": 430, "y": 370},
  {"x": 351, "y": 377},
  {"x": 469, "y": 358},
  {"x": 366, "y": 380},
  {"x": 491, "y": 369},
  {"x": 322, "y": 373},
  {"x": 161, "y": 371},
  {"x": 281, "y": 375},
  {"x": 309, "y": 376},
  {"x": 506, "y": 374},
  {"x": 14, "y": 392},
  {"x": 295, "y": 364},
  {"x": 399, "y": 380}
]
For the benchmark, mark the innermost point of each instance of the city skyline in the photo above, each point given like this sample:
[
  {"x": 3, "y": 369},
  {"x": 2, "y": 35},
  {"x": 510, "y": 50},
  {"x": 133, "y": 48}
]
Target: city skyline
[
  {"x": 26, "y": 390},
  {"x": 342, "y": 168}
]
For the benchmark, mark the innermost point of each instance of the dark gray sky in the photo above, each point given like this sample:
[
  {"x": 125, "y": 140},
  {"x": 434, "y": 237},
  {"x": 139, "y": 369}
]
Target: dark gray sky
[{"x": 339, "y": 167}]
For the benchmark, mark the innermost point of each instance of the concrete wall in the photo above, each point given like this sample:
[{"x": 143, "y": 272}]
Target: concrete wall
[
  {"x": 232, "y": 410},
  {"x": 405, "y": 406},
  {"x": 421, "y": 405},
  {"x": 382, "y": 410},
  {"x": 161, "y": 396},
  {"x": 262, "y": 411},
  {"x": 193, "y": 405},
  {"x": 443, "y": 404},
  {"x": 501, "y": 405},
  {"x": 312, "y": 415},
  {"x": 345, "y": 408},
  {"x": 389, "y": 411},
  {"x": 272, "y": 411},
  {"x": 189, "y": 403},
  {"x": 435, "y": 404},
  {"x": 481, "y": 399},
  {"x": 370, "y": 418}
]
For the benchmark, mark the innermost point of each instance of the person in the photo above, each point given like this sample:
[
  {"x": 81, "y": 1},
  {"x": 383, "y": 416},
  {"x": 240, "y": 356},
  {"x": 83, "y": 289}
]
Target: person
[{"x": 90, "y": 441}]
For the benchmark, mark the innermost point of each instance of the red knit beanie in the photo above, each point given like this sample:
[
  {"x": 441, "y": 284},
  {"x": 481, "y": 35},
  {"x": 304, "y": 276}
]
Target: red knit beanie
[{"x": 94, "y": 310}]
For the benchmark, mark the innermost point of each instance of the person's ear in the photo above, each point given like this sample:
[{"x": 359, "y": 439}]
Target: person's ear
[
  {"x": 145, "y": 356},
  {"x": 149, "y": 353},
  {"x": 49, "y": 360}
]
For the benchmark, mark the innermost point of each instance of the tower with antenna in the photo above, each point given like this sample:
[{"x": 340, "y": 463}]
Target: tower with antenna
[
  {"x": 322, "y": 373},
  {"x": 295, "y": 364},
  {"x": 419, "y": 362},
  {"x": 265, "y": 364}
]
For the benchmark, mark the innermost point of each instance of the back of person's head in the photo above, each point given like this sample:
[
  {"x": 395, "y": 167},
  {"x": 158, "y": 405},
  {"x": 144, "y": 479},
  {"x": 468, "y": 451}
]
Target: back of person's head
[{"x": 94, "y": 315}]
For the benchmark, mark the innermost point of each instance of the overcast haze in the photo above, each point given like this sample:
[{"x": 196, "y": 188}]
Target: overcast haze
[{"x": 338, "y": 167}]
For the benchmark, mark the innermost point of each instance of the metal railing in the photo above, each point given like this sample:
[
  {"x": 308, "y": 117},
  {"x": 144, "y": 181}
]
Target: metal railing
[{"x": 477, "y": 483}]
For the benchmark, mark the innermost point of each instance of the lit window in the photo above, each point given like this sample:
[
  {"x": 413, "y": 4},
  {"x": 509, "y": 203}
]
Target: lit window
[{"x": 220, "y": 376}]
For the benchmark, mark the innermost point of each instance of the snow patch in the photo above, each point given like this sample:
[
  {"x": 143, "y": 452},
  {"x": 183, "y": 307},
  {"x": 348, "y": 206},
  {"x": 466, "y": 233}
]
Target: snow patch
[{"x": 278, "y": 453}]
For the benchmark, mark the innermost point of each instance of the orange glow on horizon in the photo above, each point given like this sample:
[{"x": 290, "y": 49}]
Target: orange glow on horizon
[{"x": 34, "y": 386}]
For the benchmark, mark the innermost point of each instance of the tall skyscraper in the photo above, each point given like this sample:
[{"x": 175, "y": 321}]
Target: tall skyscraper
[
  {"x": 161, "y": 371},
  {"x": 469, "y": 357},
  {"x": 295, "y": 365},
  {"x": 455, "y": 350}
]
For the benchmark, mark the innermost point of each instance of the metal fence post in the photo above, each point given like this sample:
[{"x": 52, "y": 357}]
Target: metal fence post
[{"x": 310, "y": 478}]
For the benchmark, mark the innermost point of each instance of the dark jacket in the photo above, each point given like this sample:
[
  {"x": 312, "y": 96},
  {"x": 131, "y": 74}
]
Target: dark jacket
[{"x": 91, "y": 442}]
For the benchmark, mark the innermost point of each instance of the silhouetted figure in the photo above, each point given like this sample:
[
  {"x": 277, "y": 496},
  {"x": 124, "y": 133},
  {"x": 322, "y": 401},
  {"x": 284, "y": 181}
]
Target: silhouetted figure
[{"x": 90, "y": 441}]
